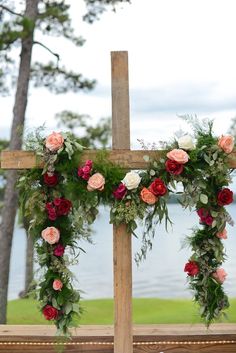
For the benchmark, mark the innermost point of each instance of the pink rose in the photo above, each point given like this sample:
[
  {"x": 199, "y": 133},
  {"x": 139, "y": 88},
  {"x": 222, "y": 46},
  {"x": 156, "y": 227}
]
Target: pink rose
[
  {"x": 57, "y": 284},
  {"x": 54, "y": 141},
  {"x": 89, "y": 163},
  {"x": 51, "y": 235},
  {"x": 219, "y": 275},
  {"x": 96, "y": 182},
  {"x": 178, "y": 155},
  {"x": 226, "y": 143},
  {"x": 222, "y": 235}
]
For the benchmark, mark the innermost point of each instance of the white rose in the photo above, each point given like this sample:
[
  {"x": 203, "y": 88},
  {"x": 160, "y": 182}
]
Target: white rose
[
  {"x": 186, "y": 142},
  {"x": 131, "y": 180}
]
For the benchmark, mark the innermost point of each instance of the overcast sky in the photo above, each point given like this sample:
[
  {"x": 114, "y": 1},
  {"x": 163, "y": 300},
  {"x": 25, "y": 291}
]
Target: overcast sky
[{"x": 182, "y": 57}]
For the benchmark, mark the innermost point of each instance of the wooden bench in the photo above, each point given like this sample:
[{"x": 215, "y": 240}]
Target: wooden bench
[{"x": 100, "y": 339}]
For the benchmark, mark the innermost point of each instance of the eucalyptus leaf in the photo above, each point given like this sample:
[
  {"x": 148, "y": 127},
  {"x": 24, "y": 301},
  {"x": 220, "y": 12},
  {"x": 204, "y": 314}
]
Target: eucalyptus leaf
[
  {"x": 204, "y": 199},
  {"x": 146, "y": 158}
]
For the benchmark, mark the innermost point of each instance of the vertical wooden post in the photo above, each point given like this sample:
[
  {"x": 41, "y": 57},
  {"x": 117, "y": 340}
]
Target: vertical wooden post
[{"x": 122, "y": 249}]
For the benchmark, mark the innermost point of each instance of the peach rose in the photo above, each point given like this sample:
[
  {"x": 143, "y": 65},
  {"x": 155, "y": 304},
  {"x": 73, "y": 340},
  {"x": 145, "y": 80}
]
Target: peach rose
[
  {"x": 148, "y": 197},
  {"x": 96, "y": 182},
  {"x": 226, "y": 143},
  {"x": 219, "y": 275},
  {"x": 51, "y": 235},
  {"x": 54, "y": 141},
  {"x": 57, "y": 284},
  {"x": 222, "y": 235},
  {"x": 178, "y": 155}
]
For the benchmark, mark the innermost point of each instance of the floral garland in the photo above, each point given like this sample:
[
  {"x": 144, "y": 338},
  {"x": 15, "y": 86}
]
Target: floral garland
[{"x": 62, "y": 202}]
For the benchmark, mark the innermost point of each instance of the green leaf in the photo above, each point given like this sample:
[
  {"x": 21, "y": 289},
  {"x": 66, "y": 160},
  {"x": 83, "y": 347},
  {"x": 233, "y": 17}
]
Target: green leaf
[
  {"x": 76, "y": 308},
  {"x": 54, "y": 303},
  {"x": 152, "y": 172},
  {"x": 68, "y": 308},
  {"x": 146, "y": 158},
  {"x": 204, "y": 199}
]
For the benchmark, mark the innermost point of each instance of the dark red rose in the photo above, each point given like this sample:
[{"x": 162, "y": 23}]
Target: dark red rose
[
  {"x": 120, "y": 192},
  {"x": 80, "y": 172},
  {"x": 158, "y": 188},
  {"x": 225, "y": 197},
  {"x": 59, "y": 250},
  {"x": 203, "y": 213},
  {"x": 49, "y": 312},
  {"x": 209, "y": 220},
  {"x": 52, "y": 214},
  {"x": 49, "y": 206},
  {"x": 173, "y": 167},
  {"x": 191, "y": 268},
  {"x": 86, "y": 176},
  {"x": 64, "y": 207},
  {"x": 50, "y": 179},
  {"x": 57, "y": 201}
]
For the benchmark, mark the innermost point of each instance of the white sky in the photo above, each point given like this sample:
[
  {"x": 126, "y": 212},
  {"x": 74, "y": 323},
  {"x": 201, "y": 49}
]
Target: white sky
[{"x": 182, "y": 57}]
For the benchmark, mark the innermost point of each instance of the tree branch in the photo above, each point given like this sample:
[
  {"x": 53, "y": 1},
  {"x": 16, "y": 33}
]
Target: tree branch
[
  {"x": 48, "y": 49},
  {"x": 11, "y": 11}
]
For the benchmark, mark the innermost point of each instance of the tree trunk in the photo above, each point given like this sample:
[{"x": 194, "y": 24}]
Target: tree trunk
[
  {"x": 10, "y": 198},
  {"x": 29, "y": 261},
  {"x": 29, "y": 270}
]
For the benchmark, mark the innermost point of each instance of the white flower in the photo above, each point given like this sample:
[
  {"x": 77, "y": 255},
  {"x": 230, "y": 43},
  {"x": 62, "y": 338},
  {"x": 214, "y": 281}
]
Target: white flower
[
  {"x": 131, "y": 180},
  {"x": 186, "y": 142}
]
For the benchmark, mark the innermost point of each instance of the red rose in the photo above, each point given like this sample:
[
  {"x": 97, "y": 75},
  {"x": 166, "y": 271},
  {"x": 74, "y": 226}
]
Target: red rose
[
  {"x": 120, "y": 192},
  {"x": 50, "y": 179},
  {"x": 59, "y": 250},
  {"x": 57, "y": 201},
  {"x": 191, "y": 268},
  {"x": 85, "y": 171},
  {"x": 174, "y": 167},
  {"x": 89, "y": 163},
  {"x": 52, "y": 214},
  {"x": 80, "y": 172},
  {"x": 50, "y": 313},
  {"x": 49, "y": 206},
  {"x": 225, "y": 197},
  {"x": 64, "y": 207},
  {"x": 158, "y": 188},
  {"x": 209, "y": 220},
  {"x": 205, "y": 216}
]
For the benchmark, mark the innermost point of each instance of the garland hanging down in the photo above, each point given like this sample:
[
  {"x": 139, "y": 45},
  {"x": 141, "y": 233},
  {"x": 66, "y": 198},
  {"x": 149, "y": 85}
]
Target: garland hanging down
[{"x": 62, "y": 202}]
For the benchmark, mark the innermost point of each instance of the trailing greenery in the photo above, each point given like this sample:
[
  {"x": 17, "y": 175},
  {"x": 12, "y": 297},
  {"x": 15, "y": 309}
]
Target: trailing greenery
[{"x": 63, "y": 199}]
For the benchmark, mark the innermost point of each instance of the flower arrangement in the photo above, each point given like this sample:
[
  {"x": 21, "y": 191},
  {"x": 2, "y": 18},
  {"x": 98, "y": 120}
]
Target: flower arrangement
[{"x": 63, "y": 202}]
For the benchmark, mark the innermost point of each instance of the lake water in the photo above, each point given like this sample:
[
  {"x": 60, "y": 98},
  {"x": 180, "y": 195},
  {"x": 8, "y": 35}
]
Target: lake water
[{"x": 161, "y": 275}]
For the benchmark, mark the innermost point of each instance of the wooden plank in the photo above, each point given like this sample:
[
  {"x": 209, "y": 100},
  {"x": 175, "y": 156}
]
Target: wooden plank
[
  {"x": 147, "y": 338},
  {"x": 125, "y": 158},
  {"x": 122, "y": 244}
]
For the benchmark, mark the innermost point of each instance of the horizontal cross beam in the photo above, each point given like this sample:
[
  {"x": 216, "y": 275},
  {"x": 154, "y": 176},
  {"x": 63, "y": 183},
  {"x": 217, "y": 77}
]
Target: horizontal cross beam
[{"x": 125, "y": 158}]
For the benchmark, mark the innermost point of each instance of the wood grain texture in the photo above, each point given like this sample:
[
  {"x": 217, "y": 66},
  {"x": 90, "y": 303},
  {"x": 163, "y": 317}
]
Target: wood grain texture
[
  {"x": 122, "y": 240},
  {"x": 164, "y": 338},
  {"x": 125, "y": 158},
  {"x": 120, "y": 100}
]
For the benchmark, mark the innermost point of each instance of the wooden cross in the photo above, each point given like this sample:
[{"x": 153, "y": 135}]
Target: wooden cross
[{"x": 122, "y": 254}]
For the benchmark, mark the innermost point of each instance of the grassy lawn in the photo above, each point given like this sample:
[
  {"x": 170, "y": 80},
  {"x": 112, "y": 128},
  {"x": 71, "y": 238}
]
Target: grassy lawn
[{"x": 146, "y": 311}]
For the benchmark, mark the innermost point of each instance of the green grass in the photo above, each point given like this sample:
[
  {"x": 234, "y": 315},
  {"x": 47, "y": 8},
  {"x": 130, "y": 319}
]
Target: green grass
[{"x": 146, "y": 311}]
